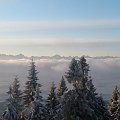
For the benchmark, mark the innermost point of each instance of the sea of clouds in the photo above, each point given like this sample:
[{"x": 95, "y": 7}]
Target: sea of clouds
[{"x": 105, "y": 73}]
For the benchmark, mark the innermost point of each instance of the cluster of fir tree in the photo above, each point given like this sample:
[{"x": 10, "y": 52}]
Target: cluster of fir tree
[
  {"x": 29, "y": 104},
  {"x": 80, "y": 103}
]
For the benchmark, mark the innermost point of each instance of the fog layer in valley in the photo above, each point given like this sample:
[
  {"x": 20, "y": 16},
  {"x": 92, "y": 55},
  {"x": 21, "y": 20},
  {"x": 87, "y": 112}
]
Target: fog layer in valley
[{"x": 105, "y": 73}]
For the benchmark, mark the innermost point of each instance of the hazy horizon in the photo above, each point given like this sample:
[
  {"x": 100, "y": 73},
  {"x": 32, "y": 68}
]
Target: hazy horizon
[
  {"x": 68, "y": 28},
  {"x": 54, "y": 55}
]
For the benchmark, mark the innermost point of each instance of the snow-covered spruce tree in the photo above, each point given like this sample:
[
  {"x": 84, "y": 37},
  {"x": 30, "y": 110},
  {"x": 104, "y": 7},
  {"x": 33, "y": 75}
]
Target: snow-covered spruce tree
[
  {"x": 62, "y": 88},
  {"x": 73, "y": 74},
  {"x": 77, "y": 75},
  {"x": 17, "y": 95},
  {"x": 75, "y": 107},
  {"x": 38, "y": 110},
  {"x": 31, "y": 84},
  {"x": 52, "y": 104},
  {"x": 85, "y": 91},
  {"x": 84, "y": 69},
  {"x": 96, "y": 102},
  {"x": 91, "y": 87},
  {"x": 11, "y": 113},
  {"x": 114, "y": 104},
  {"x": 74, "y": 103}
]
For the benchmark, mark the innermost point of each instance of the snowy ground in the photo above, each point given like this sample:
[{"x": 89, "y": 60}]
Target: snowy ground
[{"x": 105, "y": 73}]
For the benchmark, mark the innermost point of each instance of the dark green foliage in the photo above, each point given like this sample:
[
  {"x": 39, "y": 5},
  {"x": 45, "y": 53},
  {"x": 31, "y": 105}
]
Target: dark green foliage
[
  {"x": 31, "y": 84},
  {"x": 17, "y": 95},
  {"x": 52, "y": 104},
  {"x": 14, "y": 106},
  {"x": 75, "y": 107},
  {"x": 84, "y": 95},
  {"x": 114, "y": 104},
  {"x": 73, "y": 74},
  {"x": 38, "y": 110},
  {"x": 62, "y": 88},
  {"x": 84, "y": 69}
]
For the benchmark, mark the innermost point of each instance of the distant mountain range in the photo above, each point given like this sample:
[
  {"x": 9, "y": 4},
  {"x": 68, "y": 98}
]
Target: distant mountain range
[{"x": 21, "y": 56}]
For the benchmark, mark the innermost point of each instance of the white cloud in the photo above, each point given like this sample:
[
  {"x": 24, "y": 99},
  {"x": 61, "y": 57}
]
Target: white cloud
[
  {"x": 15, "y": 61},
  {"x": 60, "y": 66},
  {"x": 37, "y": 41},
  {"x": 40, "y": 25}
]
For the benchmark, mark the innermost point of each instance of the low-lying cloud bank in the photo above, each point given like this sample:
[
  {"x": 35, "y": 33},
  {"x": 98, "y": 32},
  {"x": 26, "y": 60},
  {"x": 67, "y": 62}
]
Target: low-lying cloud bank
[
  {"x": 46, "y": 25},
  {"x": 105, "y": 73}
]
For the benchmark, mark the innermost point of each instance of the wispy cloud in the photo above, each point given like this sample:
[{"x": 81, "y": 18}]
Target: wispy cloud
[
  {"x": 40, "y": 25},
  {"x": 37, "y": 41},
  {"x": 62, "y": 46}
]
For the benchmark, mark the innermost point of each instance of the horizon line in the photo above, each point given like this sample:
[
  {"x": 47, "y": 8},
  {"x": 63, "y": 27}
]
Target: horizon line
[{"x": 20, "y": 54}]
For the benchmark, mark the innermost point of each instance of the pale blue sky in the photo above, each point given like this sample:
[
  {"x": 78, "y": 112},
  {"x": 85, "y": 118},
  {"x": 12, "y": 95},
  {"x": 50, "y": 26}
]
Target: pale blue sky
[{"x": 65, "y": 27}]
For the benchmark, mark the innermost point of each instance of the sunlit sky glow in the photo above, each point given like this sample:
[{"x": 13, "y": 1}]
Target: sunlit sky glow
[{"x": 65, "y": 27}]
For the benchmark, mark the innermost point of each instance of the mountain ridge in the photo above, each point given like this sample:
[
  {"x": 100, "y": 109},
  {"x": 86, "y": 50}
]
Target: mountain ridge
[{"x": 21, "y": 56}]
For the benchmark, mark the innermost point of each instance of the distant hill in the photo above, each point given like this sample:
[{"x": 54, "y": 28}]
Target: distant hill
[
  {"x": 6, "y": 57},
  {"x": 21, "y": 56}
]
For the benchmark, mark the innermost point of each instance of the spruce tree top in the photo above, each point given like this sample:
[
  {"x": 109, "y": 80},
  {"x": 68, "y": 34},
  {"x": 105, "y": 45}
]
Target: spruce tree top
[
  {"x": 32, "y": 74},
  {"x": 73, "y": 74},
  {"x": 31, "y": 84},
  {"x": 78, "y": 73},
  {"x": 62, "y": 87}
]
